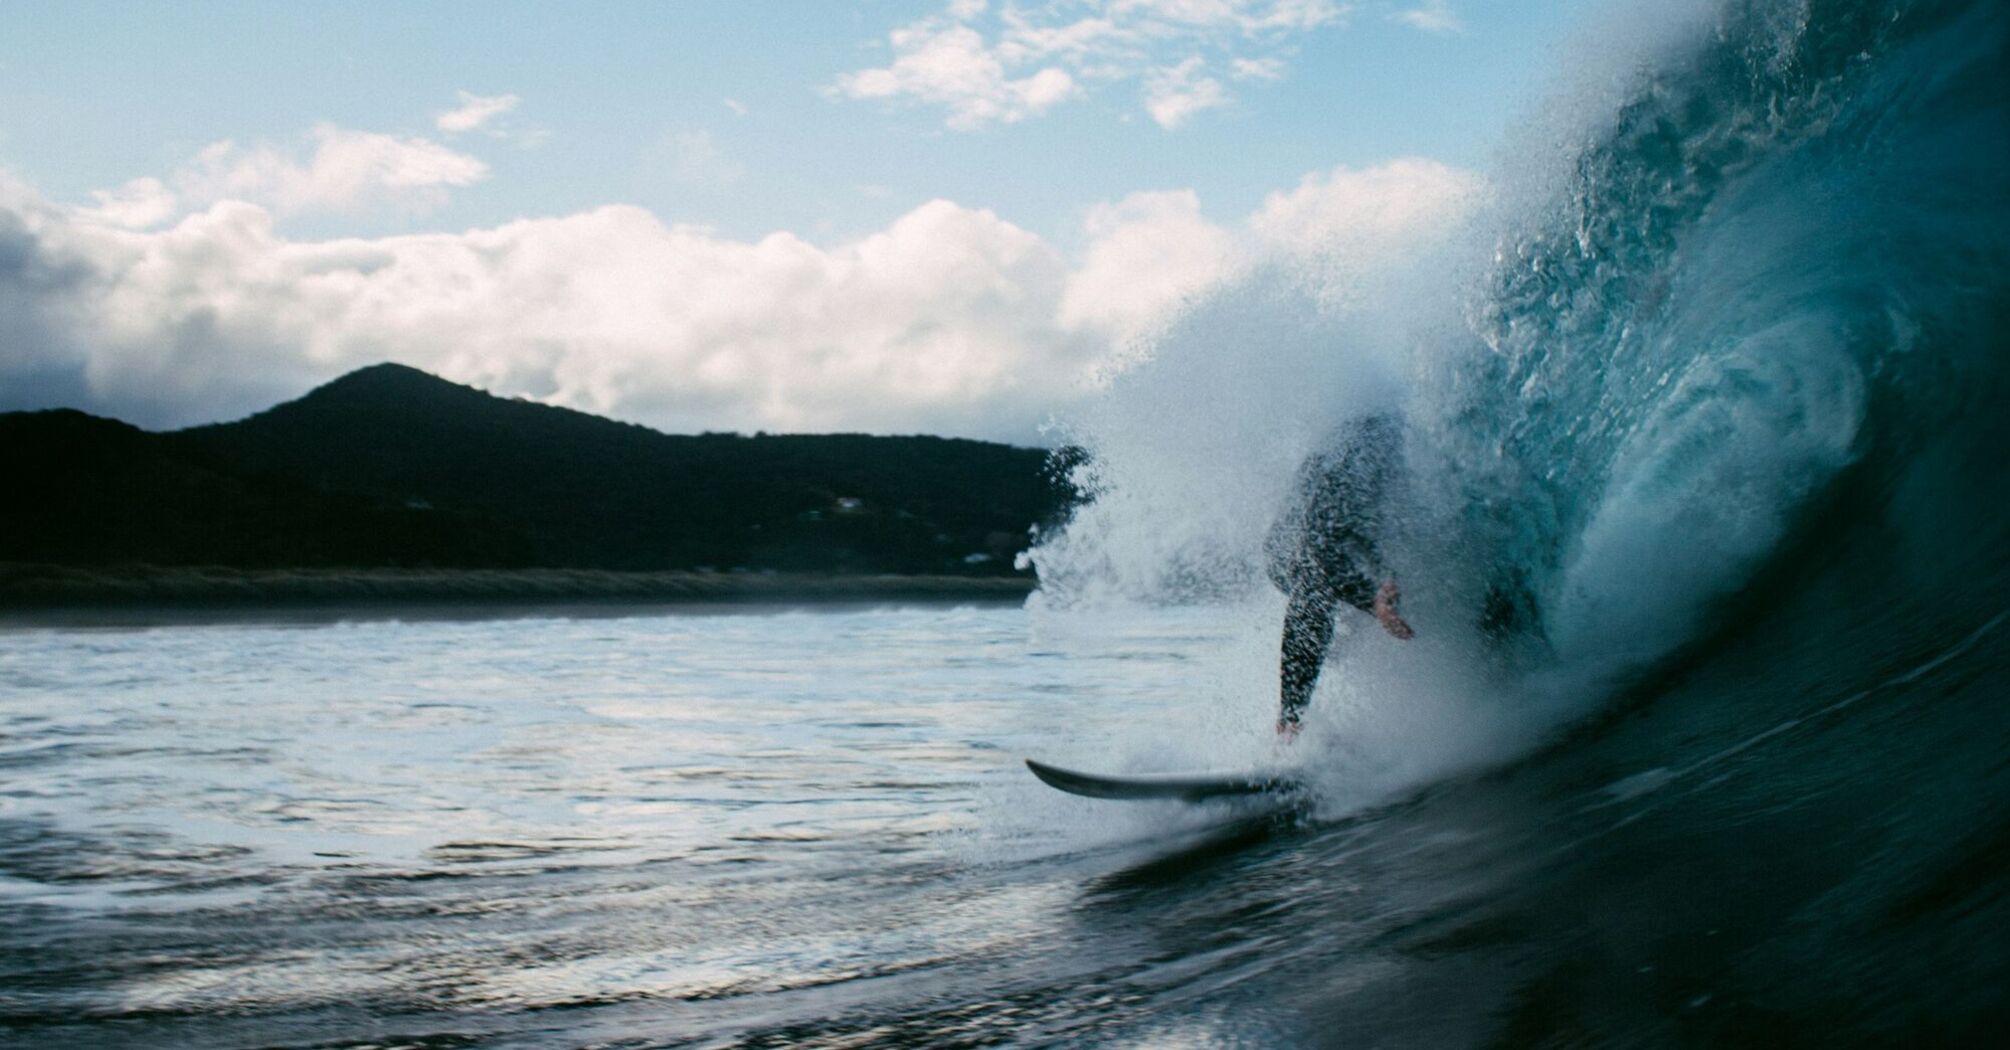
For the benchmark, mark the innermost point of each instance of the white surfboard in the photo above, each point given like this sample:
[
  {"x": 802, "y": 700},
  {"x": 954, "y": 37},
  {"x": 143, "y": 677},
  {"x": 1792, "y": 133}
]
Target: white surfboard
[{"x": 1184, "y": 787}]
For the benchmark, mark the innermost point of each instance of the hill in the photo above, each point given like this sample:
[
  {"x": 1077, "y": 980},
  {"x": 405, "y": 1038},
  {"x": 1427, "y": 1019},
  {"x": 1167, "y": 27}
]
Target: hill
[{"x": 390, "y": 466}]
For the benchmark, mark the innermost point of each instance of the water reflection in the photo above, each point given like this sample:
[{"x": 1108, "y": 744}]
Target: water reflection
[{"x": 282, "y": 834}]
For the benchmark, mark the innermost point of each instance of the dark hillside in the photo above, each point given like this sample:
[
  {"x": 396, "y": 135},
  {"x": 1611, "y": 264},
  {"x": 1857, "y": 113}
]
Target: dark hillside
[
  {"x": 390, "y": 465},
  {"x": 77, "y": 489}
]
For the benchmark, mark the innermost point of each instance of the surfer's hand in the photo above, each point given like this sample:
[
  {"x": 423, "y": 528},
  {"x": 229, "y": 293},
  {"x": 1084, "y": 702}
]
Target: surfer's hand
[{"x": 1386, "y": 614}]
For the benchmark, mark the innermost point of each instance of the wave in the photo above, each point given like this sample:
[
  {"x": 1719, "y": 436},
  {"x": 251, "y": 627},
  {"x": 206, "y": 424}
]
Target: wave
[{"x": 1724, "y": 337}]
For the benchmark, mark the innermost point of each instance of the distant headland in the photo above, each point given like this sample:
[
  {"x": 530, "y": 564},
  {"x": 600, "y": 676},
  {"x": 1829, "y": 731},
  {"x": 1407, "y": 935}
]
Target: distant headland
[{"x": 392, "y": 485}]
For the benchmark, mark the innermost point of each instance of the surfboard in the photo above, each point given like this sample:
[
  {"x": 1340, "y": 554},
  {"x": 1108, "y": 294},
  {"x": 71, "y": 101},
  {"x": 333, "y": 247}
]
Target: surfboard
[{"x": 1184, "y": 787}]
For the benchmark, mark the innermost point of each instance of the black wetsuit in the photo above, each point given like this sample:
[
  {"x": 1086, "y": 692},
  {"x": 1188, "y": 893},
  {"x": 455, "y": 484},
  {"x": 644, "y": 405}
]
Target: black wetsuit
[{"x": 1323, "y": 549}]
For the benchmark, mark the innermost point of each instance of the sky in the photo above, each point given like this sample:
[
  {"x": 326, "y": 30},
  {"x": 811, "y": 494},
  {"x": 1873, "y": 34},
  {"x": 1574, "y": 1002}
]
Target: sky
[{"x": 881, "y": 216}]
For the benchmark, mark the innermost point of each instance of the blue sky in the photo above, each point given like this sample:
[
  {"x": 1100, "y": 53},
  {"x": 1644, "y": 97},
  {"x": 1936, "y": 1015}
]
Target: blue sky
[{"x": 829, "y": 124}]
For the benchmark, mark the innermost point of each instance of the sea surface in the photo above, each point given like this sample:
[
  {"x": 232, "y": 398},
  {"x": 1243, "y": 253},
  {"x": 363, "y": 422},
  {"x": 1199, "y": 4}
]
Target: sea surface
[
  {"x": 765, "y": 826},
  {"x": 781, "y": 828}
]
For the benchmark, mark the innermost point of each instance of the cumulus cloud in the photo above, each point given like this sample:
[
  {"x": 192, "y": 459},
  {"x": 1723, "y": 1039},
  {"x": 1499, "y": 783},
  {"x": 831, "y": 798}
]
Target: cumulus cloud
[
  {"x": 474, "y": 111},
  {"x": 1351, "y": 226},
  {"x": 944, "y": 321},
  {"x": 1033, "y": 59},
  {"x": 1365, "y": 207},
  {"x": 951, "y": 66},
  {"x": 949, "y": 320},
  {"x": 1147, "y": 253},
  {"x": 347, "y": 171},
  {"x": 136, "y": 205}
]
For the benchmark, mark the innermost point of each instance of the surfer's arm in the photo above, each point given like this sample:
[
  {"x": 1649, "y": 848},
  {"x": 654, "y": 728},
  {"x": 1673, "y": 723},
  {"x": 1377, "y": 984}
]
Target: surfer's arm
[{"x": 1308, "y": 630}]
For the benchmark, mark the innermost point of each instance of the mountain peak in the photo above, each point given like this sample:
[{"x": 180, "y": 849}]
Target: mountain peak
[
  {"x": 394, "y": 389},
  {"x": 388, "y": 378},
  {"x": 384, "y": 399}
]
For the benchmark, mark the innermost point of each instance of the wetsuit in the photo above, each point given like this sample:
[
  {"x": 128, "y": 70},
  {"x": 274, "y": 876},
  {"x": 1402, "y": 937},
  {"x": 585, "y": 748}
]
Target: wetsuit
[{"x": 1322, "y": 550}]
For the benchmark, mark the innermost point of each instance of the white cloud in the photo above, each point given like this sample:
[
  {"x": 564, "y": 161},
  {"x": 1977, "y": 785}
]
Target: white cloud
[
  {"x": 1432, "y": 16},
  {"x": 348, "y": 171},
  {"x": 475, "y": 110},
  {"x": 1150, "y": 253},
  {"x": 949, "y": 320},
  {"x": 1037, "y": 58},
  {"x": 738, "y": 108},
  {"x": 137, "y": 205},
  {"x": 1177, "y": 92},
  {"x": 1147, "y": 253},
  {"x": 944, "y": 321},
  {"x": 950, "y": 66},
  {"x": 1354, "y": 230},
  {"x": 1362, "y": 211},
  {"x": 1085, "y": 41}
]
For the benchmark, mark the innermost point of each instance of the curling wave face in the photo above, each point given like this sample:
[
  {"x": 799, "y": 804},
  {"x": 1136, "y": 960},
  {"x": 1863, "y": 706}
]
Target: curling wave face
[
  {"x": 1755, "y": 304},
  {"x": 1725, "y": 400},
  {"x": 1767, "y": 305}
]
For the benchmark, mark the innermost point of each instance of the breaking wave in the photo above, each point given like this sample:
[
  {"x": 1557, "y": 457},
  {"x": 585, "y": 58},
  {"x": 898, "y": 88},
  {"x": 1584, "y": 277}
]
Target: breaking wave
[{"x": 1728, "y": 323}]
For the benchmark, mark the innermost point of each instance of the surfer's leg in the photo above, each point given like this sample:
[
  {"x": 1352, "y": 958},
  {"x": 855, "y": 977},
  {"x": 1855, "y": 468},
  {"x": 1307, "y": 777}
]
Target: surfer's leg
[{"x": 1308, "y": 630}]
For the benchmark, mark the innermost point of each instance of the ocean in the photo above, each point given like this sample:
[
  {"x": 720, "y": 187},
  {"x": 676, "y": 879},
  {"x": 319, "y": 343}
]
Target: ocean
[
  {"x": 1709, "y": 382},
  {"x": 755, "y": 827},
  {"x": 788, "y": 828}
]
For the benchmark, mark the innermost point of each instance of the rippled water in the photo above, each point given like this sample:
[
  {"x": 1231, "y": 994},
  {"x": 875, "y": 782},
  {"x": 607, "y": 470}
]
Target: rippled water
[
  {"x": 702, "y": 827},
  {"x": 812, "y": 829}
]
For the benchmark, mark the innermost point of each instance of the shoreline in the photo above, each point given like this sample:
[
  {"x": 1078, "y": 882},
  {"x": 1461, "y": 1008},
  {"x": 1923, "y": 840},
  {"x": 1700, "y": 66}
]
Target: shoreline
[{"x": 76, "y": 596}]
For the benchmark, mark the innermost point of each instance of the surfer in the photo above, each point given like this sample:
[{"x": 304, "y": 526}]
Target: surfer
[{"x": 1323, "y": 552}]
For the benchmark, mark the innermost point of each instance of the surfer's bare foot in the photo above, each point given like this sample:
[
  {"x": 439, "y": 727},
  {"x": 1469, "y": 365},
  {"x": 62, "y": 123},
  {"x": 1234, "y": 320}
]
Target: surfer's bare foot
[
  {"x": 1287, "y": 729},
  {"x": 1386, "y": 614}
]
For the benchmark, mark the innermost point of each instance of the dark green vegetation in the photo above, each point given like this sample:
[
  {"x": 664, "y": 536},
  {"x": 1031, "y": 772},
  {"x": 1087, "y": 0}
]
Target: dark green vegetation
[{"x": 391, "y": 467}]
